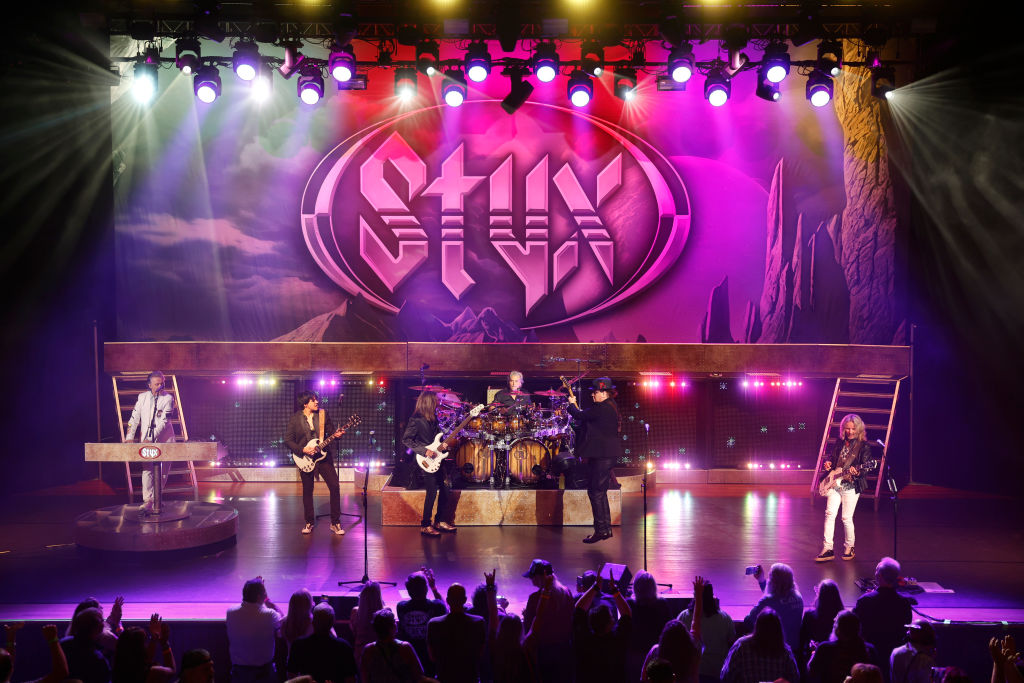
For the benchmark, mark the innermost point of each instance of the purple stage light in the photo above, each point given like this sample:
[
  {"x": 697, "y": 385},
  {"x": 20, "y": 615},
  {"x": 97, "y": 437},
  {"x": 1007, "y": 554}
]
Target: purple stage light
[
  {"x": 453, "y": 88},
  {"x": 717, "y": 86},
  {"x": 545, "y": 62},
  {"x": 427, "y": 55},
  {"x": 477, "y": 62},
  {"x": 625, "y": 84},
  {"x": 342, "y": 64},
  {"x": 580, "y": 89},
  {"x": 775, "y": 66},
  {"x": 819, "y": 88},
  {"x": 830, "y": 57},
  {"x": 246, "y": 60},
  {"x": 680, "y": 63},
  {"x": 187, "y": 55},
  {"x": 310, "y": 84},
  {"x": 207, "y": 84},
  {"x": 405, "y": 83}
]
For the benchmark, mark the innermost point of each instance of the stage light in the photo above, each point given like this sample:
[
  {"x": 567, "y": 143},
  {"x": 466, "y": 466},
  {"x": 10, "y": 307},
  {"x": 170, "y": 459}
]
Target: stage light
[
  {"x": 246, "y": 60},
  {"x": 207, "y": 83},
  {"x": 187, "y": 55},
  {"x": 680, "y": 63},
  {"x": 775, "y": 65},
  {"x": 405, "y": 83},
  {"x": 830, "y": 57},
  {"x": 545, "y": 62},
  {"x": 293, "y": 59},
  {"x": 593, "y": 58},
  {"x": 625, "y": 84},
  {"x": 686, "y": 465},
  {"x": 883, "y": 81},
  {"x": 519, "y": 92},
  {"x": 311, "y": 84},
  {"x": 717, "y": 86},
  {"x": 580, "y": 88},
  {"x": 453, "y": 90},
  {"x": 262, "y": 85},
  {"x": 427, "y": 55},
  {"x": 819, "y": 90},
  {"x": 144, "y": 81},
  {"x": 342, "y": 63},
  {"x": 767, "y": 90},
  {"x": 477, "y": 62}
]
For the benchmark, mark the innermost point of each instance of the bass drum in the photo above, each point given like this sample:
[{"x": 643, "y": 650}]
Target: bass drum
[
  {"x": 473, "y": 460},
  {"x": 523, "y": 456}
]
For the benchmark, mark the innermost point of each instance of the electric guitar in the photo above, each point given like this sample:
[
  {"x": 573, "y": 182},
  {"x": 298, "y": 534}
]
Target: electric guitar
[
  {"x": 431, "y": 462},
  {"x": 568, "y": 386},
  {"x": 830, "y": 479},
  {"x": 306, "y": 463}
]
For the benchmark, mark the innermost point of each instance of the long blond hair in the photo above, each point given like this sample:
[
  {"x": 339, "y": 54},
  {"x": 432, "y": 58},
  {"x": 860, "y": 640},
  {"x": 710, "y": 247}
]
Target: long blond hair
[
  {"x": 858, "y": 424},
  {"x": 426, "y": 406}
]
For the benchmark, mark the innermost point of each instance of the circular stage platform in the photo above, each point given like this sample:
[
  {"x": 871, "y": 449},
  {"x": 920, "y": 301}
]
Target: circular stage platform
[{"x": 119, "y": 527}]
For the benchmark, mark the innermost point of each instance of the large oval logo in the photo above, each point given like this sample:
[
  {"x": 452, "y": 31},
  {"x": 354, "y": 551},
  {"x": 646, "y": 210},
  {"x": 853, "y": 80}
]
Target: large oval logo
[
  {"x": 546, "y": 216},
  {"x": 149, "y": 452}
]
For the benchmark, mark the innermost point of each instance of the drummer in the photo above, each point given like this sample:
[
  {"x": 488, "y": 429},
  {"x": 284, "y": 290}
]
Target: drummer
[{"x": 513, "y": 399}]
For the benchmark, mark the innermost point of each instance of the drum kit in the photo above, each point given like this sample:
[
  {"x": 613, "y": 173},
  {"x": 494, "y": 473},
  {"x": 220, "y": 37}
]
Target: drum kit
[{"x": 506, "y": 445}]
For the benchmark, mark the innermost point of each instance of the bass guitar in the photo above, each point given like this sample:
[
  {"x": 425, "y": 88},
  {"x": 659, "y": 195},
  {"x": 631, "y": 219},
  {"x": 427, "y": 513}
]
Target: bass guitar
[
  {"x": 307, "y": 463},
  {"x": 830, "y": 479},
  {"x": 431, "y": 462}
]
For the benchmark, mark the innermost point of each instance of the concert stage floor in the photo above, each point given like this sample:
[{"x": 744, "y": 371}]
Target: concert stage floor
[{"x": 966, "y": 543}]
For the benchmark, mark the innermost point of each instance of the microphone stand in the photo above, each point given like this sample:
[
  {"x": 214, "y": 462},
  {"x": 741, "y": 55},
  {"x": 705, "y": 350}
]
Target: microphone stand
[
  {"x": 366, "y": 547},
  {"x": 643, "y": 483},
  {"x": 894, "y": 496}
]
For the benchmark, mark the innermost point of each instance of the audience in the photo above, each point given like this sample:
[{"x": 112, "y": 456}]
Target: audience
[
  {"x": 600, "y": 643},
  {"x": 361, "y": 617},
  {"x": 197, "y": 667},
  {"x": 864, "y": 673},
  {"x": 717, "y": 632},
  {"x": 58, "y": 662},
  {"x": 913, "y": 661},
  {"x": 252, "y": 631},
  {"x": 414, "y": 613},
  {"x": 818, "y": 621},
  {"x": 298, "y": 623},
  {"x": 782, "y": 595},
  {"x": 659, "y": 671},
  {"x": 387, "y": 660},
  {"x": 455, "y": 641},
  {"x": 679, "y": 646},
  {"x": 1007, "y": 664},
  {"x": 111, "y": 626},
  {"x": 322, "y": 655},
  {"x": 83, "y": 651},
  {"x": 884, "y": 613},
  {"x": 833, "y": 659},
  {"x": 763, "y": 655},
  {"x": 136, "y": 653},
  {"x": 650, "y": 614},
  {"x": 551, "y": 637}
]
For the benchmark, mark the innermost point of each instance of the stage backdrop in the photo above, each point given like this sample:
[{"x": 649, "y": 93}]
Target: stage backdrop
[{"x": 364, "y": 218}]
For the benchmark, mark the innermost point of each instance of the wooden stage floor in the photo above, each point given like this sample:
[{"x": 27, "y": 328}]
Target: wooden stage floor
[{"x": 967, "y": 543}]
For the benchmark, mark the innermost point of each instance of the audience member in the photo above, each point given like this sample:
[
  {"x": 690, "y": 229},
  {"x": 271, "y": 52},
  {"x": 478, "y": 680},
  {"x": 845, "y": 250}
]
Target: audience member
[
  {"x": 455, "y": 641},
  {"x": 361, "y": 617},
  {"x": 717, "y": 632},
  {"x": 679, "y": 646},
  {"x": 1006, "y": 661},
  {"x": 600, "y": 643},
  {"x": 83, "y": 650},
  {"x": 322, "y": 655},
  {"x": 136, "y": 653},
  {"x": 197, "y": 667},
  {"x": 58, "y": 662},
  {"x": 833, "y": 659},
  {"x": 550, "y": 637},
  {"x": 954, "y": 674},
  {"x": 111, "y": 626},
  {"x": 583, "y": 584},
  {"x": 864, "y": 673},
  {"x": 884, "y": 613},
  {"x": 763, "y": 655},
  {"x": 659, "y": 671},
  {"x": 252, "y": 629},
  {"x": 509, "y": 661},
  {"x": 650, "y": 614},
  {"x": 913, "y": 661},
  {"x": 414, "y": 613},
  {"x": 387, "y": 660},
  {"x": 298, "y": 623},
  {"x": 818, "y": 621},
  {"x": 783, "y": 596}
]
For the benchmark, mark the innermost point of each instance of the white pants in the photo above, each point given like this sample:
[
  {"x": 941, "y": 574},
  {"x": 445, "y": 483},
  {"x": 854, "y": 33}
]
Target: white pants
[
  {"x": 847, "y": 498},
  {"x": 147, "y": 481}
]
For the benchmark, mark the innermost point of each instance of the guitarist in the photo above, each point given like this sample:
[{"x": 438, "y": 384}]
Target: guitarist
[
  {"x": 420, "y": 433},
  {"x": 848, "y": 455},
  {"x": 600, "y": 447},
  {"x": 303, "y": 427}
]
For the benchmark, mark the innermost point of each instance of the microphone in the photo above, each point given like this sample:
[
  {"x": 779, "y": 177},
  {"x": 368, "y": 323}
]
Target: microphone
[
  {"x": 880, "y": 443},
  {"x": 647, "y": 427}
]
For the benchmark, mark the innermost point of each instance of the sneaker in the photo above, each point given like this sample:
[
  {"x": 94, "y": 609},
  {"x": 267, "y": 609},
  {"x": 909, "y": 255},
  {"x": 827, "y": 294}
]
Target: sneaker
[
  {"x": 446, "y": 527},
  {"x": 337, "y": 530},
  {"x": 826, "y": 556},
  {"x": 308, "y": 529},
  {"x": 848, "y": 553},
  {"x": 429, "y": 531}
]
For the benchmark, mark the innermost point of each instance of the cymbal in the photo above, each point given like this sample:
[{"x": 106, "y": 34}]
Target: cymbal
[
  {"x": 518, "y": 393},
  {"x": 436, "y": 388},
  {"x": 449, "y": 397},
  {"x": 550, "y": 392}
]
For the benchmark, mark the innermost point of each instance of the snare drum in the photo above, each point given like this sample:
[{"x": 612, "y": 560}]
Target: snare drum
[
  {"x": 474, "y": 460},
  {"x": 523, "y": 455}
]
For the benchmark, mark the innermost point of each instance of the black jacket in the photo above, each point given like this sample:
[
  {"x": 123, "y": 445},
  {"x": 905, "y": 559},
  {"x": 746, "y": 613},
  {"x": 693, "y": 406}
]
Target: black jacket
[
  {"x": 601, "y": 439},
  {"x": 298, "y": 434},
  {"x": 860, "y": 482},
  {"x": 419, "y": 434}
]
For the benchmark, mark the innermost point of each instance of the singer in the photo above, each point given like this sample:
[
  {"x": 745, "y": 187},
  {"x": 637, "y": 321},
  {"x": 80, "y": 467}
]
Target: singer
[
  {"x": 601, "y": 448},
  {"x": 850, "y": 453},
  {"x": 302, "y": 428},
  {"x": 151, "y": 417}
]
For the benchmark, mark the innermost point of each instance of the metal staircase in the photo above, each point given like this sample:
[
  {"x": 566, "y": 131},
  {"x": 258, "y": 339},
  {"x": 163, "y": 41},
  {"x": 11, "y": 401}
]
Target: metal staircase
[
  {"x": 180, "y": 476},
  {"x": 875, "y": 401}
]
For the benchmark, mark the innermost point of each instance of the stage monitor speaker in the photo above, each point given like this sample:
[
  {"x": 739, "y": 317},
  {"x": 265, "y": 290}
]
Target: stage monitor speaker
[{"x": 622, "y": 578}]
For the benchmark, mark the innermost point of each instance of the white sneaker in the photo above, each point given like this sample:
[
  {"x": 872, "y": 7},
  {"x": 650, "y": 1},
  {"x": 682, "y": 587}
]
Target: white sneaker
[
  {"x": 308, "y": 529},
  {"x": 337, "y": 530}
]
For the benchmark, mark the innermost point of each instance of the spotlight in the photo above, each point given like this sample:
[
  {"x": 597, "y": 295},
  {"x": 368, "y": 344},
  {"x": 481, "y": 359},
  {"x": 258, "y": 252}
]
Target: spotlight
[
  {"x": 262, "y": 85},
  {"x": 883, "y": 81},
  {"x": 830, "y": 57},
  {"x": 478, "y": 62},
  {"x": 342, "y": 63},
  {"x": 767, "y": 90},
  {"x": 427, "y": 56},
  {"x": 718, "y": 86},
  {"x": 293, "y": 59},
  {"x": 775, "y": 65},
  {"x": 580, "y": 89},
  {"x": 144, "y": 82},
  {"x": 625, "y": 84},
  {"x": 311, "y": 84},
  {"x": 593, "y": 58},
  {"x": 207, "y": 83},
  {"x": 680, "y": 63},
  {"x": 453, "y": 90},
  {"x": 405, "y": 83},
  {"x": 819, "y": 93},
  {"x": 246, "y": 60},
  {"x": 545, "y": 62},
  {"x": 519, "y": 92},
  {"x": 186, "y": 55}
]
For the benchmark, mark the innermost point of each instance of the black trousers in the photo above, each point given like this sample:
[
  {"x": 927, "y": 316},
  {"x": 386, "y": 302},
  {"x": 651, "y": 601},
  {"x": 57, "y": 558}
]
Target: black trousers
[
  {"x": 326, "y": 470},
  {"x": 437, "y": 488},
  {"x": 597, "y": 491}
]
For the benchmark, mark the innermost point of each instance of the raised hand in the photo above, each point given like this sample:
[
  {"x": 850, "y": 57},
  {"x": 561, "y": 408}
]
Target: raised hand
[
  {"x": 759, "y": 573},
  {"x": 115, "y": 609},
  {"x": 156, "y": 626},
  {"x": 50, "y": 633},
  {"x": 489, "y": 578},
  {"x": 11, "y": 630},
  {"x": 698, "y": 584},
  {"x": 429, "y": 573},
  {"x": 995, "y": 650}
]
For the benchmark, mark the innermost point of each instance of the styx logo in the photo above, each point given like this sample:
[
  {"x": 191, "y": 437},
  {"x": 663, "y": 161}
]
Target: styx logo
[{"x": 492, "y": 210}]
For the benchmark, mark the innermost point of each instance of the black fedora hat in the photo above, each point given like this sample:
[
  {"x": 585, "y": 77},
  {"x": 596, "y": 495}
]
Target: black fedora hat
[{"x": 602, "y": 384}]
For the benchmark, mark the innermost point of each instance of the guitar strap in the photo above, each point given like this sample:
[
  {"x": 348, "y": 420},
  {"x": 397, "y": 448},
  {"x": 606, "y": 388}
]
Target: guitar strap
[{"x": 321, "y": 435}]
